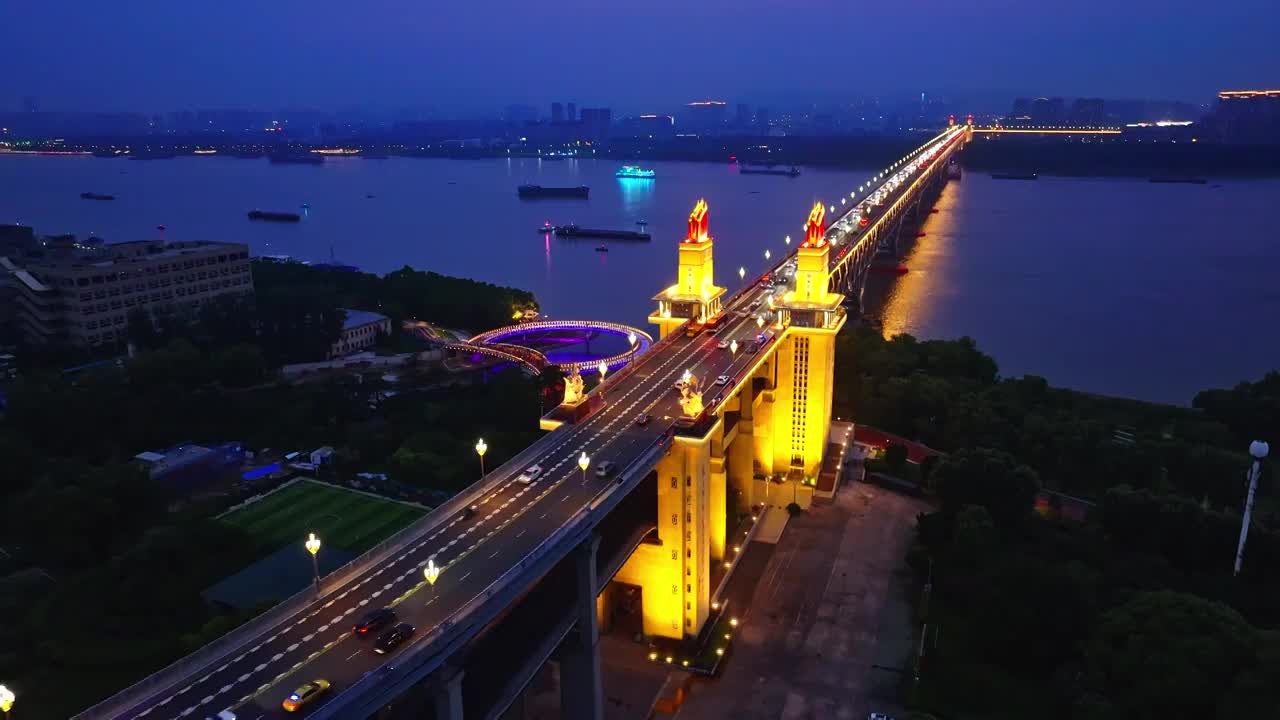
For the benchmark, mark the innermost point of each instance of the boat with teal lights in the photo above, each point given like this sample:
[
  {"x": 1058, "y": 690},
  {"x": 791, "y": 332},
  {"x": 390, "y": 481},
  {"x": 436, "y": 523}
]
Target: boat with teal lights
[{"x": 637, "y": 172}]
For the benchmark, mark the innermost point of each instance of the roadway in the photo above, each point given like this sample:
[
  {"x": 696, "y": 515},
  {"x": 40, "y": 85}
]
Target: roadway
[{"x": 509, "y": 522}]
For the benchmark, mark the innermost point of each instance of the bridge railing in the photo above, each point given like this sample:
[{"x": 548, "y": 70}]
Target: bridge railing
[
  {"x": 427, "y": 653},
  {"x": 169, "y": 677}
]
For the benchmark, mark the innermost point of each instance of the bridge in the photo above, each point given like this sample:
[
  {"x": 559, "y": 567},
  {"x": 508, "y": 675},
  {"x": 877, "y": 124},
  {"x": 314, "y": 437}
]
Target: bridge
[
  {"x": 498, "y": 345},
  {"x": 521, "y": 571}
]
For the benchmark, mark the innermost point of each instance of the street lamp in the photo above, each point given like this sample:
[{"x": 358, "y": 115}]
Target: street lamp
[
  {"x": 481, "y": 449},
  {"x": 631, "y": 338},
  {"x": 7, "y": 699},
  {"x": 787, "y": 240},
  {"x": 584, "y": 462},
  {"x": 684, "y": 378},
  {"x": 733, "y": 348},
  {"x": 1258, "y": 450},
  {"x": 767, "y": 254},
  {"x": 742, "y": 273},
  {"x": 313, "y": 547},
  {"x": 760, "y": 321}
]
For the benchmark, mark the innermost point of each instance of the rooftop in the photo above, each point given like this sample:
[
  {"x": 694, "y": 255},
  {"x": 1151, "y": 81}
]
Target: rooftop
[{"x": 360, "y": 318}]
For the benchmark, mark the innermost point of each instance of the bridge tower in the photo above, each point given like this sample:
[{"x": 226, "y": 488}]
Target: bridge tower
[
  {"x": 695, "y": 296},
  {"x": 806, "y": 357}
]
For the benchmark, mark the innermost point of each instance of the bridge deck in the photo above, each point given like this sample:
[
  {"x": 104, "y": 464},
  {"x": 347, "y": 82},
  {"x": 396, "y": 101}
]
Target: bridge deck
[{"x": 512, "y": 519}]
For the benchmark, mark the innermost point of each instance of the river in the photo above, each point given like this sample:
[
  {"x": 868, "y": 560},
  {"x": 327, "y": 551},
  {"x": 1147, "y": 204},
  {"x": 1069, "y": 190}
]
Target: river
[{"x": 1113, "y": 286}]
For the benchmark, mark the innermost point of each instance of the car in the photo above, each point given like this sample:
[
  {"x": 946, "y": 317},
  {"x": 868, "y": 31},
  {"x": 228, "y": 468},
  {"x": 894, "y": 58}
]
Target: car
[
  {"x": 754, "y": 304},
  {"x": 306, "y": 694},
  {"x": 643, "y": 419},
  {"x": 605, "y": 469},
  {"x": 530, "y": 474},
  {"x": 467, "y": 513},
  {"x": 723, "y": 345},
  {"x": 224, "y": 715},
  {"x": 718, "y": 399},
  {"x": 723, "y": 379},
  {"x": 878, "y": 716},
  {"x": 393, "y": 638},
  {"x": 374, "y": 620},
  {"x": 680, "y": 384}
]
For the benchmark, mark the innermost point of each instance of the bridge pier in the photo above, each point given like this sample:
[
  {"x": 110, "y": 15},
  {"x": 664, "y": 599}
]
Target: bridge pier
[
  {"x": 581, "y": 689},
  {"x": 446, "y": 693}
]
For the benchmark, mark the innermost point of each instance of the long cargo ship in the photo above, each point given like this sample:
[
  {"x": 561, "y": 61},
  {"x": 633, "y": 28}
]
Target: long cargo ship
[
  {"x": 539, "y": 191},
  {"x": 274, "y": 216},
  {"x": 1014, "y": 176},
  {"x": 573, "y": 231},
  {"x": 792, "y": 171},
  {"x": 96, "y": 196}
]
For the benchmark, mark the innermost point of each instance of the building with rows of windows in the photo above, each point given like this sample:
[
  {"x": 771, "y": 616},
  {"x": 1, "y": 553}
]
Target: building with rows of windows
[{"x": 82, "y": 294}]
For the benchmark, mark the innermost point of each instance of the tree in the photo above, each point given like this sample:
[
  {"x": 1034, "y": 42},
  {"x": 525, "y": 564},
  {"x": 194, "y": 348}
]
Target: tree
[
  {"x": 1166, "y": 654},
  {"x": 895, "y": 456},
  {"x": 990, "y": 478}
]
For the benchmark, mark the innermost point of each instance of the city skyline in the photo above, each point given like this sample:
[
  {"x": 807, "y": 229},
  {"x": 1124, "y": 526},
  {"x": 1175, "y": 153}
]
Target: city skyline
[{"x": 478, "y": 58}]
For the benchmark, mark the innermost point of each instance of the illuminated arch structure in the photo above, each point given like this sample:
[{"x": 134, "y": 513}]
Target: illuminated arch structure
[{"x": 504, "y": 343}]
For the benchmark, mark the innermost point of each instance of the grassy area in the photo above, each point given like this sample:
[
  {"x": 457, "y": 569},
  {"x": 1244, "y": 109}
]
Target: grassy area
[{"x": 342, "y": 518}]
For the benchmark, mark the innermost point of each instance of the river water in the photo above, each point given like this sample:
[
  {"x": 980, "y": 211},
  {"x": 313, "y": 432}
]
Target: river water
[{"x": 1114, "y": 286}]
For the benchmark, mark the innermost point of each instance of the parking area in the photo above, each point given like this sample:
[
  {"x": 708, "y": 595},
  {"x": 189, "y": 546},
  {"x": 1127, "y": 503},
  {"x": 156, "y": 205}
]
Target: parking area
[{"x": 828, "y": 626}]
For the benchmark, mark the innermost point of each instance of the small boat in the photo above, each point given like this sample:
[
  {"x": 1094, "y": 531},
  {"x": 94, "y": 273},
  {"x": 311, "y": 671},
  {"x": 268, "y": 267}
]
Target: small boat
[
  {"x": 546, "y": 227},
  {"x": 642, "y": 222},
  {"x": 635, "y": 172},
  {"x": 274, "y": 216},
  {"x": 306, "y": 206},
  {"x": 602, "y": 248},
  {"x": 1178, "y": 179},
  {"x": 1014, "y": 176},
  {"x": 96, "y": 196},
  {"x": 793, "y": 171},
  {"x": 368, "y": 195}
]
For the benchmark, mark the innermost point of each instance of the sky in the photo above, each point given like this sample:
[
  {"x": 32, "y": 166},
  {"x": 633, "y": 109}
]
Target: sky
[{"x": 632, "y": 55}]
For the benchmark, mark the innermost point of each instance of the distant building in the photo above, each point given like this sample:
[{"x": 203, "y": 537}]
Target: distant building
[
  {"x": 557, "y": 113},
  {"x": 1246, "y": 117},
  {"x": 572, "y": 112},
  {"x": 596, "y": 123},
  {"x": 67, "y": 292},
  {"x": 360, "y": 330},
  {"x": 189, "y": 467},
  {"x": 1087, "y": 112},
  {"x": 704, "y": 116},
  {"x": 29, "y": 104},
  {"x": 762, "y": 120},
  {"x": 742, "y": 118}
]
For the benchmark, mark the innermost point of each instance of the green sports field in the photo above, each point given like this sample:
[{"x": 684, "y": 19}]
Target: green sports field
[{"x": 342, "y": 518}]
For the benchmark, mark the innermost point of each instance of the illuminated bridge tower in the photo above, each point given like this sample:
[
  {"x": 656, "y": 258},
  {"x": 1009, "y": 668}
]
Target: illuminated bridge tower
[
  {"x": 806, "y": 356},
  {"x": 694, "y": 297}
]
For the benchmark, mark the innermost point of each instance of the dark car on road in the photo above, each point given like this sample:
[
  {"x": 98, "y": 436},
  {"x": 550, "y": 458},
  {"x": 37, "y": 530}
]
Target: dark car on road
[
  {"x": 393, "y": 638},
  {"x": 374, "y": 620},
  {"x": 643, "y": 419}
]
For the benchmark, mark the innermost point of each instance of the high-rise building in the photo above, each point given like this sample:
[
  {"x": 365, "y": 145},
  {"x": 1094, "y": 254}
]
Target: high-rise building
[
  {"x": 557, "y": 113},
  {"x": 572, "y": 113},
  {"x": 1087, "y": 112},
  {"x": 29, "y": 104},
  {"x": 704, "y": 116},
  {"x": 82, "y": 294},
  {"x": 1246, "y": 117},
  {"x": 596, "y": 123},
  {"x": 762, "y": 120},
  {"x": 742, "y": 119}
]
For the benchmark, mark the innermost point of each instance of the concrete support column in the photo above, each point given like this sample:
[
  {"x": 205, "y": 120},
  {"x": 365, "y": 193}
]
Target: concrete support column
[
  {"x": 446, "y": 693},
  {"x": 581, "y": 691}
]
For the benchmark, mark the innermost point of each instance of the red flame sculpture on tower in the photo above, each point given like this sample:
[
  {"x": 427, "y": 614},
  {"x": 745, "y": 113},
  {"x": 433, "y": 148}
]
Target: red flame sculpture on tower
[
  {"x": 969, "y": 122},
  {"x": 816, "y": 227},
  {"x": 951, "y": 121},
  {"x": 698, "y": 224}
]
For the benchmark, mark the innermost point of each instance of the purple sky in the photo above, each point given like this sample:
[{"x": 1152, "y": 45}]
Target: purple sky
[{"x": 472, "y": 54}]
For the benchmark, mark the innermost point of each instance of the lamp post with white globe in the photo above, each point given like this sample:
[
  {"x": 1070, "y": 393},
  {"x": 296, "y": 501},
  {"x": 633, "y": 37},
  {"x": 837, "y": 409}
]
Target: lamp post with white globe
[
  {"x": 481, "y": 449},
  {"x": 1259, "y": 451},
  {"x": 584, "y": 462}
]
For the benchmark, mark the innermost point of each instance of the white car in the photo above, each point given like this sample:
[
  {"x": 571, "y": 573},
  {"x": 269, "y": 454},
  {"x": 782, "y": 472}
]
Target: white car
[
  {"x": 878, "y": 716},
  {"x": 723, "y": 379},
  {"x": 530, "y": 474},
  {"x": 723, "y": 345}
]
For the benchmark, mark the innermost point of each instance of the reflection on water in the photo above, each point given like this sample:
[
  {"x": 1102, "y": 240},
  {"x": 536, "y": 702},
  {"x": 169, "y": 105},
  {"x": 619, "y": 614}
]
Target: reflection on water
[
  {"x": 637, "y": 194},
  {"x": 1115, "y": 286}
]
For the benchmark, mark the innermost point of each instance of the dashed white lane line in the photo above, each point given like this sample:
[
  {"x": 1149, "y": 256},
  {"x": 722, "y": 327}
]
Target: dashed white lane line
[
  {"x": 464, "y": 577},
  {"x": 522, "y": 532},
  {"x": 495, "y": 554},
  {"x": 593, "y": 437},
  {"x": 353, "y": 655}
]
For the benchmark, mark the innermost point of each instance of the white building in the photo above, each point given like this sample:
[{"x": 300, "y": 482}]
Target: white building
[{"x": 360, "y": 330}]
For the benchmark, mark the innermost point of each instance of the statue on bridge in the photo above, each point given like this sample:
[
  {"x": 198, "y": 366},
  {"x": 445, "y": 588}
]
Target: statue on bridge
[
  {"x": 573, "y": 392},
  {"x": 691, "y": 397}
]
